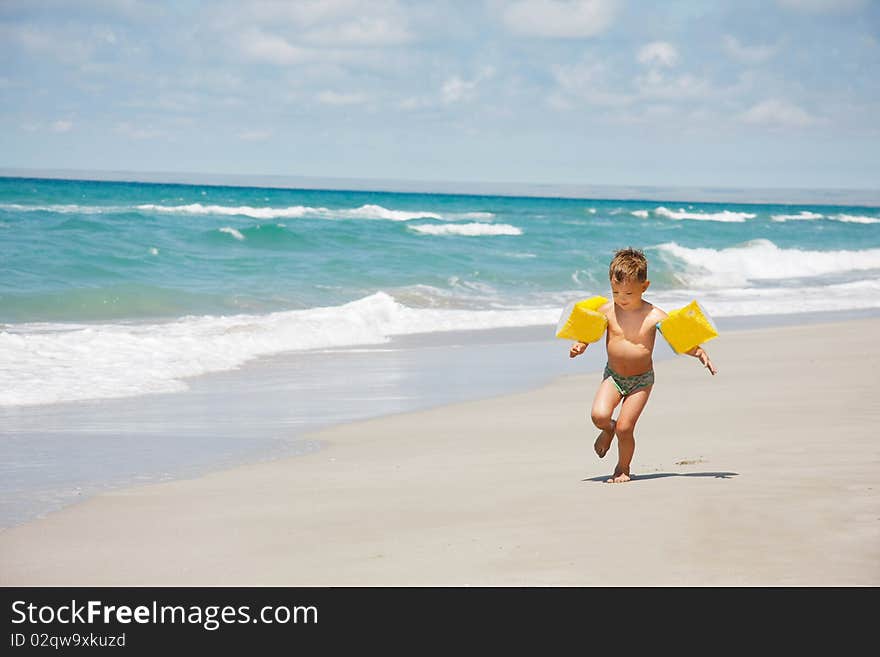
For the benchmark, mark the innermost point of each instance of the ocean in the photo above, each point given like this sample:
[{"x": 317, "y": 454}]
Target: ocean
[
  {"x": 111, "y": 289},
  {"x": 117, "y": 298}
]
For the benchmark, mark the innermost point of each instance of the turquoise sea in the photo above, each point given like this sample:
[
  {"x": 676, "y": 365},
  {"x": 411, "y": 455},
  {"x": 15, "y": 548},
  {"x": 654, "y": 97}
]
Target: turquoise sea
[
  {"x": 116, "y": 289},
  {"x": 156, "y": 331}
]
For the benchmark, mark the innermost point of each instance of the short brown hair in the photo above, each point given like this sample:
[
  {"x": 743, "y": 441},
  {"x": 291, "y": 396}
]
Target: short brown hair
[{"x": 628, "y": 265}]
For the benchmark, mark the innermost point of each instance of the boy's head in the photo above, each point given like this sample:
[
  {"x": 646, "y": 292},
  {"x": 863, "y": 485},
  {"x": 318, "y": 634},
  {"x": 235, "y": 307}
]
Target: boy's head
[
  {"x": 628, "y": 266},
  {"x": 628, "y": 273}
]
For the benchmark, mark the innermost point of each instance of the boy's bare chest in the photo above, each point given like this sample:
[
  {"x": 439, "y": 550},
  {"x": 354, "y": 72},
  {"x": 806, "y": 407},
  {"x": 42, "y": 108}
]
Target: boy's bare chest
[{"x": 632, "y": 328}]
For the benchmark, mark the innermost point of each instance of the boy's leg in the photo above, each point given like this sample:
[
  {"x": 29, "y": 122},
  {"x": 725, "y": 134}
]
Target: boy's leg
[
  {"x": 633, "y": 405},
  {"x": 606, "y": 400}
]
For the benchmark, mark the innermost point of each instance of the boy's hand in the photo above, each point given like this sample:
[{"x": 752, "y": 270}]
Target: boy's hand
[
  {"x": 577, "y": 349},
  {"x": 705, "y": 360},
  {"x": 700, "y": 354}
]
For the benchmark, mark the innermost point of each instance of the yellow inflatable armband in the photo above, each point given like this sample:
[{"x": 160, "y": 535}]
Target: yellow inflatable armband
[
  {"x": 580, "y": 320},
  {"x": 687, "y": 327}
]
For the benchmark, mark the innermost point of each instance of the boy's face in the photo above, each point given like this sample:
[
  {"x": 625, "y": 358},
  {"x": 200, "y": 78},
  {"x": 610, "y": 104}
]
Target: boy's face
[{"x": 629, "y": 293}]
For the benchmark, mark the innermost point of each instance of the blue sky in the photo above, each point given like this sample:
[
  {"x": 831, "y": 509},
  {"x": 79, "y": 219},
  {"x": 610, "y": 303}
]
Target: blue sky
[{"x": 779, "y": 93}]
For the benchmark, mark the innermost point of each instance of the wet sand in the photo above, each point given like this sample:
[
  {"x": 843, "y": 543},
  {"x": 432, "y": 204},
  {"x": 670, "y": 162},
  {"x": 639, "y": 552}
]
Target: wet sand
[{"x": 762, "y": 475}]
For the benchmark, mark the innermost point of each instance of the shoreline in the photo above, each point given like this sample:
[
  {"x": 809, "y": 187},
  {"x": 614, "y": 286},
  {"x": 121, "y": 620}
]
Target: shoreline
[
  {"x": 745, "y": 488},
  {"x": 267, "y": 409}
]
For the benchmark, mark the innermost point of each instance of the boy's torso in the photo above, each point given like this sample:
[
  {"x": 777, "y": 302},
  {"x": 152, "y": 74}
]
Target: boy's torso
[{"x": 630, "y": 338}]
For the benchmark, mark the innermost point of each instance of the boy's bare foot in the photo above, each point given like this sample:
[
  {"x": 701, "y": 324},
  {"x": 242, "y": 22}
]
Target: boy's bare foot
[
  {"x": 603, "y": 440},
  {"x": 618, "y": 478}
]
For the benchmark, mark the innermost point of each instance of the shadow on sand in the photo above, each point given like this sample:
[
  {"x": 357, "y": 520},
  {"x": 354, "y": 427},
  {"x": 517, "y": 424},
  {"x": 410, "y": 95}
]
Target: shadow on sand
[{"x": 661, "y": 475}]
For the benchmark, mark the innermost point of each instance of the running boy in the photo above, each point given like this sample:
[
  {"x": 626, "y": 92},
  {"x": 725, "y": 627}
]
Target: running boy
[{"x": 629, "y": 373}]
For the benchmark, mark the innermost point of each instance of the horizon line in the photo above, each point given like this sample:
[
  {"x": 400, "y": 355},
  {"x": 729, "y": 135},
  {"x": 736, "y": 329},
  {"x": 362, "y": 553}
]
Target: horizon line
[{"x": 694, "y": 194}]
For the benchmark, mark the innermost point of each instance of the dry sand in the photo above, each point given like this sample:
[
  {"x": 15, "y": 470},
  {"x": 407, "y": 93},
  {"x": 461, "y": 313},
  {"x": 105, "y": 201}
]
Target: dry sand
[{"x": 764, "y": 475}]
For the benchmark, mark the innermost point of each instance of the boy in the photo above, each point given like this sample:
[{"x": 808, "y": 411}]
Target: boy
[{"x": 629, "y": 373}]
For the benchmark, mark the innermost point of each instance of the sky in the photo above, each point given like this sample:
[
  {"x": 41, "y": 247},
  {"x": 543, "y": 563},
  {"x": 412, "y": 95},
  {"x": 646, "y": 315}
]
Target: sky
[{"x": 744, "y": 93}]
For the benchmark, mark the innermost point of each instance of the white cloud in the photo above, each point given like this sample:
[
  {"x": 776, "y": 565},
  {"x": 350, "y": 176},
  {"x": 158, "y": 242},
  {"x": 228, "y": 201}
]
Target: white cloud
[
  {"x": 456, "y": 89},
  {"x": 559, "y": 18},
  {"x": 74, "y": 47},
  {"x": 109, "y": 36},
  {"x": 823, "y": 6},
  {"x": 260, "y": 45},
  {"x": 306, "y": 13},
  {"x": 591, "y": 82},
  {"x": 586, "y": 82},
  {"x": 657, "y": 85},
  {"x": 133, "y": 10},
  {"x": 254, "y": 135},
  {"x": 413, "y": 103},
  {"x": 318, "y": 23},
  {"x": 364, "y": 31},
  {"x": 336, "y": 98},
  {"x": 777, "y": 112},
  {"x": 658, "y": 53},
  {"x": 62, "y": 126},
  {"x": 138, "y": 132},
  {"x": 747, "y": 54}
]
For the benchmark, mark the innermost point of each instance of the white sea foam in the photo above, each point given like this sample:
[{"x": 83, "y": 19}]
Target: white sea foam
[
  {"x": 855, "y": 219},
  {"x": 811, "y": 216},
  {"x": 471, "y": 230},
  {"x": 232, "y": 231},
  {"x": 368, "y": 211},
  {"x": 473, "y": 215},
  {"x": 48, "y": 363},
  {"x": 739, "y": 302},
  {"x": 641, "y": 214},
  {"x": 484, "y": 290},
  {"x": 293, "y": 212},
  {"x": 724, "y": 215},
  {"x": 378, "y": 212},
  {"x": 761, "y": 259},
  {"x": 67, "y": 208},
  {"x": 776, "y": 300},
  {"x": 803, "y": 215},
  {"x": 459, "y": 294}
]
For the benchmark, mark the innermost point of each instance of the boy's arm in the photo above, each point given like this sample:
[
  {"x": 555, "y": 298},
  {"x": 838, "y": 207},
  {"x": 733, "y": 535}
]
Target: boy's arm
[
  {"x": 696, "y": 352},
  {"x": 580, "y": 347},
  {"x": 700, "y": 353}
]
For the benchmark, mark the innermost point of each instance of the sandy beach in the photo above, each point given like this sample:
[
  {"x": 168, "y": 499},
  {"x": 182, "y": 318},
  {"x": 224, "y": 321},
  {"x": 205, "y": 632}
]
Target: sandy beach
[{"x": 765, "y": 475}]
